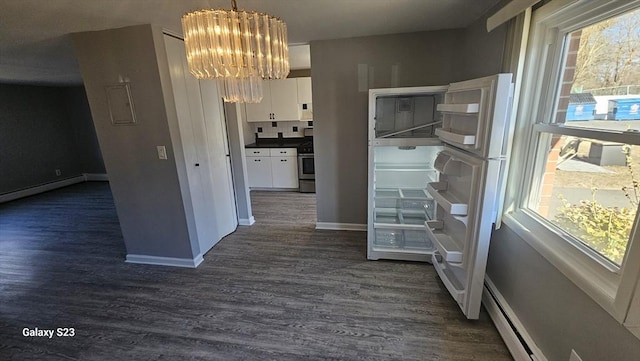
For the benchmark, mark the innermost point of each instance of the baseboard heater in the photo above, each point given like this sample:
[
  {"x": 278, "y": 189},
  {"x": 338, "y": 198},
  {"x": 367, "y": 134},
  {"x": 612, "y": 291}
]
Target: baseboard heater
[
  {"x": 513, "y": 338},
  {"x": 45, "y": 187}
]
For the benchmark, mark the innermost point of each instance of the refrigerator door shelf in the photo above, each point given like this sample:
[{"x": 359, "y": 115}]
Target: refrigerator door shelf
[
  {"x": 449, "y": 136},
  {"x": 445, "y": 163},
  {"x": 449, "y": 278},
  {"x": 450, "y": 203},
  {"x": 450, "y": 250},
  {"x": 486, "y": 131},
  {"x": 468, "y": 108}
]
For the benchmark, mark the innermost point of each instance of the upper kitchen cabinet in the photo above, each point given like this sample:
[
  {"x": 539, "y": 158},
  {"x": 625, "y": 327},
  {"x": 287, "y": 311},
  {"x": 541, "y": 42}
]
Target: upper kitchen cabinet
[
  {"x": 279, "y": 102},
  {"x": 304, "y": 98},
  {"x": 304, "y": 90}
]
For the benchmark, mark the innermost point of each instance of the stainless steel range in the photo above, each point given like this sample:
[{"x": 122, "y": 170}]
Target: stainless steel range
[{"x": 306, "y": 165}]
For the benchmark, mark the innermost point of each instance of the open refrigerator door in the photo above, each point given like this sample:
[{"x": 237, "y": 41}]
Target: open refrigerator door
[{"x": 471, "y": 171}]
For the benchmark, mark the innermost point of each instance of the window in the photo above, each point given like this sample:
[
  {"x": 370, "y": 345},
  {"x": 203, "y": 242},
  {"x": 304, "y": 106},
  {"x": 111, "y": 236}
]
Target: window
[
  {"x": 575, "y": 179},
  {"x": 588, "y": 187}
]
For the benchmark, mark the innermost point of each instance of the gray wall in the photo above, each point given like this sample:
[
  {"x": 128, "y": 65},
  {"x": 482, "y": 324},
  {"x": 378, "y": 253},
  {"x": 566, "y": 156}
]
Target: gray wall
[
  {"x": 557, "y": 314},
  {"x": 84, "y": 132},
  {"x": 481, "y": 52},
  {"x": 43, "y": 129},
  {"x": 340, "y": 110},
  {"x": 146, "y": 190}
]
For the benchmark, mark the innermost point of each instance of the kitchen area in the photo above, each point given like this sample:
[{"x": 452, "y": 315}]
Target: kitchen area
[
  {"x": 278, "y": 137},
  {"x": 280, "y": 155}
]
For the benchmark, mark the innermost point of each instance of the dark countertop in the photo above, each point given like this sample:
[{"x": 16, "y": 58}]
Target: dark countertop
[{"x": 277, "y": 143}]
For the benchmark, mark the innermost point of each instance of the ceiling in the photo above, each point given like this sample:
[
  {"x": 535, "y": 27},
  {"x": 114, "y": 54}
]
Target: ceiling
[{"x": 35, "y": 46}]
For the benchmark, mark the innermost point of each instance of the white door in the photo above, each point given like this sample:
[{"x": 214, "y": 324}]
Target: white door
[
  {"x": 204, "y": 152},
  {"x": 219, "y": 158}
]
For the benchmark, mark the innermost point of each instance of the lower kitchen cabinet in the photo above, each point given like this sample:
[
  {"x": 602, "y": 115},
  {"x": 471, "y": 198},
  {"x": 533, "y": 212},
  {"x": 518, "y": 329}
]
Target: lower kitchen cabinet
[
  {"x": 285, "y": 172},
  {"x": 259, "y": 172},
  {"x": 272, "y": 168}
]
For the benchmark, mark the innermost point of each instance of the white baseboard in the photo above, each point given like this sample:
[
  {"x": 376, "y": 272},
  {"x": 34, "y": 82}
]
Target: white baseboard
[
  {"x": 342, "y": 226},
  {"x": 98, "y": 177},
  {"x": 246, "y": 222},
  {"x": 40, "y": 189},
  {"x": 503, "y": 317},
  {"x": 165, "y": 261}
]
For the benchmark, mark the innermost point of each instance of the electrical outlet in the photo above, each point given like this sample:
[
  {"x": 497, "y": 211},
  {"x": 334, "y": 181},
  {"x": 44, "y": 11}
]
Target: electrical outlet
[
  {"x": 574, "y": 356},
  {"x": 162, "y": 152},
  {"x": 58, "y": 172}
]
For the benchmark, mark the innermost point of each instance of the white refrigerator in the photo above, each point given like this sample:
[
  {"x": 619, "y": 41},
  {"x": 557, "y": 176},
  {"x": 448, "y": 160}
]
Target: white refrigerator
[{"x": 437, "y": 165}]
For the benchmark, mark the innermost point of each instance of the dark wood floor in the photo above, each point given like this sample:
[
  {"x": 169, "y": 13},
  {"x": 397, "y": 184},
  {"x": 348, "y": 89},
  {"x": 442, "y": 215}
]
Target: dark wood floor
[{"x": 279, "y": 290}]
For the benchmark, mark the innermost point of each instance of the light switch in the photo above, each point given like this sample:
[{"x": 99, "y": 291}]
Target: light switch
[{"x": 162, "y": 152}]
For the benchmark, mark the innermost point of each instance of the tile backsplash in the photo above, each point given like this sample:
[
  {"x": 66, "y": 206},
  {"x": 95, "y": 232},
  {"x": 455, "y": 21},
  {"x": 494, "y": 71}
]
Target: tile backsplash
[{"x": 287, "y": 129}]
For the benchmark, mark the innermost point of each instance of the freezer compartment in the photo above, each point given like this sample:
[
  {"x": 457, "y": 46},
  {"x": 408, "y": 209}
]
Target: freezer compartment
[
  {"x": 387, "y": 239},
  {"x": 407, "y": 115},
  {"x": 475, "y": 115}
]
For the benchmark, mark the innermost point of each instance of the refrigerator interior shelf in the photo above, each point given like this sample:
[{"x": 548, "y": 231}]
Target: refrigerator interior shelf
[
  {"x": 402, "y": 193},
  {"x": 394, "y": 240},
  {"x": 470, "y": 108},
  {"x": 451, "y": 136},
  {"x": 448, "y": 278},
  {"x": 399, "y": 218},
  {"x": 446, "y": 200},
  {"x": 401, "y": 167},
  {"x": 450, "y": 250}
]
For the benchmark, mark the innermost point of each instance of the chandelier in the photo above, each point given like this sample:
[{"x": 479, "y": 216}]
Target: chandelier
[{"x": 238, "y": 48}]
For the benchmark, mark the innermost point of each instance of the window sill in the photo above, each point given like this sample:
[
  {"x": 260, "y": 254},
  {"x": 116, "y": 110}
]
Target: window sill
[{"x": 589, "y": 275}]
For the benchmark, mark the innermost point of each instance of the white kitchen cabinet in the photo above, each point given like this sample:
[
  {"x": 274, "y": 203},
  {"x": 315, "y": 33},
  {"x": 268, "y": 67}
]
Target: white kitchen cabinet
[
  {"x": 272, "y": 167},
  {"x": 285, "y": 172},
  {"x": 260, "y": 112},
  {"x": 304, "y": 90},
  {"x": 283, "y": 152},
  {"x": 259, "y": 172},
  {"x": 279, "y": 102}
]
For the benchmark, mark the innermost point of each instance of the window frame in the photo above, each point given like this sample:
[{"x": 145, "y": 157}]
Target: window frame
[{"x": 611, "y": 287}]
